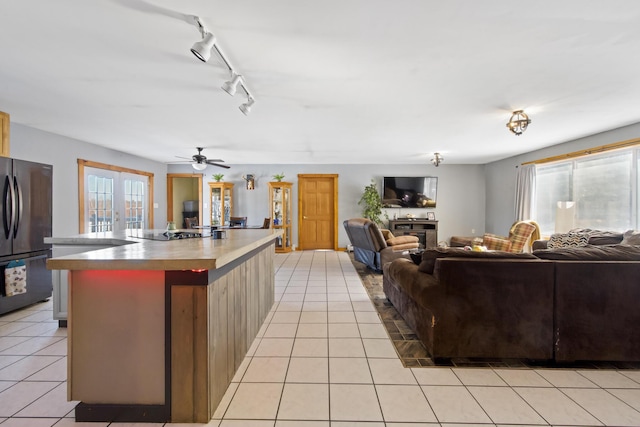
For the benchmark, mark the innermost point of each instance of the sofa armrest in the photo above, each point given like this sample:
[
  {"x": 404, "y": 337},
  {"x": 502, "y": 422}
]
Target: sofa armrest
[{"x": 539, "y": 244}]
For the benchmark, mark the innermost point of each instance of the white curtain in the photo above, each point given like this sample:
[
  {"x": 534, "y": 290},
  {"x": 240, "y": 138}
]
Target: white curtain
[{"x": 525, "y": 192}]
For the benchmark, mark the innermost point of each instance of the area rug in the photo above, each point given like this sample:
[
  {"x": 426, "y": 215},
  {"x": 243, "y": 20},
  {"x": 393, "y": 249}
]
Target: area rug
[{"x": 413, "y": 353}]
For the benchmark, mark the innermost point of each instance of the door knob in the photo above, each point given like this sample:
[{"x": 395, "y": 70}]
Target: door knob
[{"x": 304, "y": 217}]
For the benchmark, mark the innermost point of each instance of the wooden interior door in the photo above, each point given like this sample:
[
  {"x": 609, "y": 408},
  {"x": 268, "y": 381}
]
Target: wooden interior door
[{"x": 318, "y": 211}]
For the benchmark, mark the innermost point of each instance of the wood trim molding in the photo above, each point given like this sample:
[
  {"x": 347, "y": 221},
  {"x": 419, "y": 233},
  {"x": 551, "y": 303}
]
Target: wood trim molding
[
  {"x": 88, "y": 163},
  {"x": 80, "y": 196},
  {"x": 581, "y": 153},
  {"x": 4, "y": 135},
  {"x": 98, "y": 165}
]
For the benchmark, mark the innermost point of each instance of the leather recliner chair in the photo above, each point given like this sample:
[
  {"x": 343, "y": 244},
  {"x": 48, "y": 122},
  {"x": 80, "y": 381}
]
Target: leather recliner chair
[{"x": 373, "y": 246}]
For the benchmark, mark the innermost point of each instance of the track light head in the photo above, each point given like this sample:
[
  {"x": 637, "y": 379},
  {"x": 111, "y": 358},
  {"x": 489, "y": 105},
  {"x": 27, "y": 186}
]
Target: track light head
[
  {"x": 246, "y": 107},
  {"x": 202, "y": 49},
  {"x": 232, "y": 85}
]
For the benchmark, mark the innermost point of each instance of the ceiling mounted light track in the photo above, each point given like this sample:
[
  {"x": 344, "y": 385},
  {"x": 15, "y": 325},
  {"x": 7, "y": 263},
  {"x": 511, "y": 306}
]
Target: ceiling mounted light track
[
  {"x": 518, "y": 122},
  {"x": 202, "y": 50}
]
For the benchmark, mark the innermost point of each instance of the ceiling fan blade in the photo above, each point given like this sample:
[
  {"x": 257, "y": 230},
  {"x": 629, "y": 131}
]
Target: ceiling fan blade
[
  {"x": 186, "y": 158},
  {"x": 213, "y": 163}
]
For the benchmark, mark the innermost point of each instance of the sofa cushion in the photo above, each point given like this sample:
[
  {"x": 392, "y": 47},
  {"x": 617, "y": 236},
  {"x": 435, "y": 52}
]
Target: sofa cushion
[
  {"x": 430, "y": 256},
  {"x": 401, "y": 240},
  {"x": 599, "y": 237},
  {"x": 592, "y": 253},
  {"x": 631, "y": 237}
]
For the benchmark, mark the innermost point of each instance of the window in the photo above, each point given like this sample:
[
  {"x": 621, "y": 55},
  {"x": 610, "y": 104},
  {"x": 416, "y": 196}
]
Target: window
[
  {"x": 604, "y": 188},
  {"x": 113, "y": 198}
]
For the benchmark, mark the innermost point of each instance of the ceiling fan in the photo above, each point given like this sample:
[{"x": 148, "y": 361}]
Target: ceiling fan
[{"x": 199, "y": 161}]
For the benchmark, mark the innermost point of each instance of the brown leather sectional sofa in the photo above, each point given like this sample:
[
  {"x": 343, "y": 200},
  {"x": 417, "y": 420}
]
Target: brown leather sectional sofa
[{"x": 580, "y": 304}]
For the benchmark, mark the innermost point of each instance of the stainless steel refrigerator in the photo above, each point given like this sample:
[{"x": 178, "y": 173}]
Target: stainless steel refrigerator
[{"x": 26, "y": 212}]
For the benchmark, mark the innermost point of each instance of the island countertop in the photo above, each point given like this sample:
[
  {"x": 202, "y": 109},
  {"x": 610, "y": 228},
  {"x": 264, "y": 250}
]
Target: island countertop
[{"x": 133, "y": 253}]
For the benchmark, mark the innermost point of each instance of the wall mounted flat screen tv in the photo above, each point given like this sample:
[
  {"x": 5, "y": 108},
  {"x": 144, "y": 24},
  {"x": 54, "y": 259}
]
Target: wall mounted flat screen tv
[{"x": 409, "y": 191}]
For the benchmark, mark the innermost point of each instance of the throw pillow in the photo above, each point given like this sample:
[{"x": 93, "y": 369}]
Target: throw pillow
[
  {"x": 430, "y": 256},
  {"x": 568, "y": 240},
  {"x": 631, "y": 238}
]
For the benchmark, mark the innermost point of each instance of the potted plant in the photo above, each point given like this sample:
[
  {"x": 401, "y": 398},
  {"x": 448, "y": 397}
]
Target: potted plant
[
  {"x": 278, "y": 177},
  {"x": 218, "y": 176},
  {"x": 372, "y": 204}
]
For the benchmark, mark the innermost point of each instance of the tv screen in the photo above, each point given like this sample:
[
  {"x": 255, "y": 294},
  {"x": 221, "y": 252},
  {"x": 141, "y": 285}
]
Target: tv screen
[{"x": 409, "y": 191}]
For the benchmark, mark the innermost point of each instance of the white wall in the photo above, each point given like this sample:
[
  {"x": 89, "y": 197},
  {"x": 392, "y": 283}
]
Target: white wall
[
  {"x": 460, "y": 200},
  {"x": 470, "y": 197},
  {"x": 500, "y": 175},
  {"x": 63, "y": 153}
]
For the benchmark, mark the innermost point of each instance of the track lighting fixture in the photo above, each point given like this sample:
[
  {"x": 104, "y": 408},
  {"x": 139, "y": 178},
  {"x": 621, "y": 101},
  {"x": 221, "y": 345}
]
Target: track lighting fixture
[
  {"x": 518, "y": 122},
  {"x": 232, "y": 85},
  {"x": 246, "y": 107},
  {"x": 437, "y": 159},
  {"x": 202, "y": 50}
]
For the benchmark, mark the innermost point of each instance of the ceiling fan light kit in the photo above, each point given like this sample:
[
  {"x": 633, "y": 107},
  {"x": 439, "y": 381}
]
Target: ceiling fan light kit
[
  {"x": 202, "y": 50},
  {"x": 200, "y": 162}
]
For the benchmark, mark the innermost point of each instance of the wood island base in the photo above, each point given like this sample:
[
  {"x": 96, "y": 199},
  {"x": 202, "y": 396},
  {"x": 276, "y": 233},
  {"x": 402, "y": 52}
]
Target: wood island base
[{"x": 163, "y": 345}]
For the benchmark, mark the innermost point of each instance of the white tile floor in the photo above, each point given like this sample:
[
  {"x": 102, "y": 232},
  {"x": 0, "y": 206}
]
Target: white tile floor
[{"x": 323, "y": 359}]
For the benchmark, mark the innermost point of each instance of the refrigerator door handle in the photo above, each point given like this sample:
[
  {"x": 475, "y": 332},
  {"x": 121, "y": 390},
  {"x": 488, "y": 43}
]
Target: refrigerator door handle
[
  {"x": 18, "y": 202},
  {"x": 9, "y": 208}
]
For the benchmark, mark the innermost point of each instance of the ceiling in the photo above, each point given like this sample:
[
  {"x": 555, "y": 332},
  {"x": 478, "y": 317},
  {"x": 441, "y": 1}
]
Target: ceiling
[{"x": 335, "y": 81}]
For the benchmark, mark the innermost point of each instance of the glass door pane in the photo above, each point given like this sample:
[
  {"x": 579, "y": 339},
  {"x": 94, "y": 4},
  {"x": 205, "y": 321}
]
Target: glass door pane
[
  {"x": 115, "y": 200},
  {"x": 135, "y": 200},
  {"x": 100, "y": 210},
  {"x": 226, "y": 216},
  {"x": 216, "y": 205}
]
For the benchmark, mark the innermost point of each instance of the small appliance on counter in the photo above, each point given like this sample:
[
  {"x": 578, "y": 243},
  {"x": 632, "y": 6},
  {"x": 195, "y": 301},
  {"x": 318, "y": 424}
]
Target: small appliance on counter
[{"x": 217, "y": 234}]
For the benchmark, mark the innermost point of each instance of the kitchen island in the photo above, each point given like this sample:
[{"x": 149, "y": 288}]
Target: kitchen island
[{"x": 157, "y": 329}]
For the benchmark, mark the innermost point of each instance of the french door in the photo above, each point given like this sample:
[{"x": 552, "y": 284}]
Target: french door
[{"x": 114, "y": 200}]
